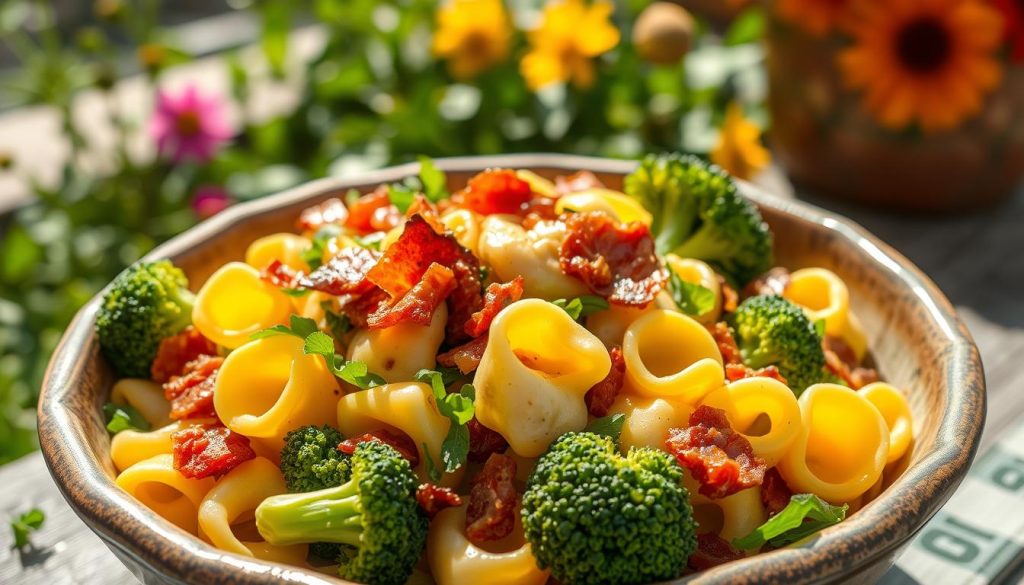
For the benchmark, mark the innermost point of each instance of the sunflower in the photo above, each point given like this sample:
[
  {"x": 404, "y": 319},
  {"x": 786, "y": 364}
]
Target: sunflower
[
  {"x": 739, "y": 148},
  {"x": 473, "y": 35},
  {"x": 818, "y": 17},
  {"x": 563, "y": 47},
  {"x": 925, "y": 61},
  {"x": 1013, "y": 15}
]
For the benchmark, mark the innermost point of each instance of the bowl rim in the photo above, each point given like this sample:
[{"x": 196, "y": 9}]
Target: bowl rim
[{"x": 132, "y": 530}]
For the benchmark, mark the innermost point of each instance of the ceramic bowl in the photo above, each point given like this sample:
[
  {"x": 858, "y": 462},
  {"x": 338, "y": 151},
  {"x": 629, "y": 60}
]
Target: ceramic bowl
[{"x": 918, "y": 342}]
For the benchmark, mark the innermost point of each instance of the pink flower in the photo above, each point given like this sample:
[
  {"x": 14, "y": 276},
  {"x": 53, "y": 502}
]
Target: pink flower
[
  {"x": 209, "y": 200},
  {"x": 189, "y": 125}
]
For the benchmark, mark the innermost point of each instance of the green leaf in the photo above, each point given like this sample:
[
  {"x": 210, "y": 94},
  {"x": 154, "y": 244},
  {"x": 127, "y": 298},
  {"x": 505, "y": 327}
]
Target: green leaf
[
  {"x": 609, "y": 426},
  {"x": 357, "y": 374},
  {"x": 819, "y": 328},
  {"x": 121, "y": 417},
  {"x": 432, "y": 470},
  {"x": 401, "y": 196},
  {"x": 319, "y": 343},
  {"x": 294, "y": 292},
  {"x": 580, "y": 307},
  {"x": 301, "y": 327},
  {"x": 748, "y": 27},
  {"x": 25, "y": 524},
  {"x": 435, "y": 182},
  {"x": 804, "y": 515},
  {"x": 313, "y": 256},
  {"x": 338, "y": 324},
  {"x": 458, "y": 407},
  {"x": 433, "y": 379},
  {"x": 693, "y": 299},
  {"x": 469, "y": 391},
  {"x": 455, "y": 447}
]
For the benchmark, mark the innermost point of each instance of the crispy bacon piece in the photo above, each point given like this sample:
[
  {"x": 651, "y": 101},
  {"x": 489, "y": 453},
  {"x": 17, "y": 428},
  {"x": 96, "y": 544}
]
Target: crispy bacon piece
[
  {"x": 842, "y": 361},
  {"x": 493, "y": 500},
  {"x": 734, "y": 372},
  {"x": 432, "y": 499},
  {"x": 281, "y": 275},
  {"x": 465, "y": 300},
  {"x": 720, "y": 459},
  {"x": 730, "y": 298},
  {"x": 578, "y": 181},
  {"x": 373, "y": 212},
  {"x": 466, "y": 357},
  {"x": 402, "y": 443},
  {"x": 498, "y": 296},
  {"x": 177, "y": 351},
  {"x": 206, "y": 450},
  {"x": 344, "y": 274},
  {"x": 615, "y": 261},
  {"x": 775, "y": 494},
  {"x": 405, "y": 261},
  {"x": 726, "y": 343},
  {"x": 331, "y": 211},
  {"x": 358, "y": 308},
  {"x": 483, "y": 442},
  {"x": 712, "y": 550},
  {"x": 539, "y": 208},
  {"x": 773, "y": 282},
  {"x": 191, "y": 393},
  {"x": 423, "y": 207},
  {"x": 495, "y": 191},
  {"x": 419, "y": 303},
  {"x": 601, "y": 395}
]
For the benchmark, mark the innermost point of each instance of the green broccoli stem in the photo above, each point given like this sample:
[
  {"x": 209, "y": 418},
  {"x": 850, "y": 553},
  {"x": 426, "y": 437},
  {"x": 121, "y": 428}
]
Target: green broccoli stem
[
  {"x": 185, "y": 299},
  {"x": 706, "y": 244},
  {"x": 328, "y": 515}
]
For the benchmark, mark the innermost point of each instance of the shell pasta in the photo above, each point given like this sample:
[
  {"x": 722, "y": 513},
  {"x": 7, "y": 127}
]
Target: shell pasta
[{"x": 524, "y": 381}]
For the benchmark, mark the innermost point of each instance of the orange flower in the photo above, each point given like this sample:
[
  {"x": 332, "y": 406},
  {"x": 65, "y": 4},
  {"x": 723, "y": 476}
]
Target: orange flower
[
  {"x": 818, "y": 17},
  {"x": 926, "y": 61},
  {"x": 563, "y": 47},
  {"x": 739, "y": 148},
  {"x": 473, "y": 35}
]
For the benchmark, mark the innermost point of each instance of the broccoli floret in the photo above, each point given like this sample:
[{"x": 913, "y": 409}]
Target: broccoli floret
[
  {"x": 698, "y": 213},
  {"x": 594, "y": 516},
  {"x": 374, "y": 515},
  {"x": 311, "y": 461},
  {"x": 145, "y": 304},
  {"x": 771, "y": 331}
]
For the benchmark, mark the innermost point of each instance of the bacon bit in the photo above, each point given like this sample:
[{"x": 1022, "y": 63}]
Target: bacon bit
[
  {"x": 373, "y": 212},
  {"x": 726, "y": 343},
  {"x": 465, "y": 300},
  {"x": 601, "y": 395},
  {"x": 331, "y": 211},
  {"x": 204, "y": 451},
  {"x": 402, "y": 443},
  {"x": 578, "y": 181},
  {"x": 615, "y": 261},
  {"x": 712, "y": 550},
  {"x": 177, "y": 351},
  {"x": 842, "y": 361},
  {"x": 417, "y": 305},
  {"x": 405, "y": 261},
  {"x": 191, "y": 393},
  {"x": 721, "y": 459},
  {"x": 428, "y": 211},
  {"x": 775, "y": 494},
  {"x": 498, "y": 296},
  {"x": 281, "y": 275},
  {"x": 493, "y": 501},
  {"x": 539, "y": 208},
  {"x": 483, "y": 442},
  {"x": 495, "y": 191},
  {"x": 730, "y": 298},
  {"x": 343, "y": 274},
  {"x": 432, "y": 499},
  {"x": 773, "y": 282},
  {"x": 466, "y": 357},
  {"x": 734, "y": 372},
  {"x": 358, "y": 308}
]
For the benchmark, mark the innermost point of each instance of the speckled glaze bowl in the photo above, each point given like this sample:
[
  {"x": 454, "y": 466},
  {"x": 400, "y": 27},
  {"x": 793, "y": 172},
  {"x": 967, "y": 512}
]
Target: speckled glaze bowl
[{"x": 917, "y": 340}]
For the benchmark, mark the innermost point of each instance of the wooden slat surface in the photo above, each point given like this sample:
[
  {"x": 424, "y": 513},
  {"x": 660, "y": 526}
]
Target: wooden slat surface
[{"x": 978, "y": 261}]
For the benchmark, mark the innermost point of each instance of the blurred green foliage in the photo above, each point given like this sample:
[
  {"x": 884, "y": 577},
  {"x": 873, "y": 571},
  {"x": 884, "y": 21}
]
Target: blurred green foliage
[{"x": 371, "y": 96}]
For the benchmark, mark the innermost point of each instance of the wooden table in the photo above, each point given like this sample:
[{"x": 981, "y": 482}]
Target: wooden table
[{"x": 978, "y": 261}]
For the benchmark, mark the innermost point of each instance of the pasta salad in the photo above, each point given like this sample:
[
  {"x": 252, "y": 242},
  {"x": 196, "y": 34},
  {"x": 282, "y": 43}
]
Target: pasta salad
[{"x": 521, "y": 381}]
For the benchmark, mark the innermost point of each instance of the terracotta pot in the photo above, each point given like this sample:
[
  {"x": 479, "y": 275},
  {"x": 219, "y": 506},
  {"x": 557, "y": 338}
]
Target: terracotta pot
[{"x": 827, "y": 141}]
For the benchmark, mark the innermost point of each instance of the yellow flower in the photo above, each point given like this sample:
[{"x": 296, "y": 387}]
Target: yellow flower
[
  {"x": 473, "y": 35},
  {"x": 926, "y": 61},
  {"x": 739, "y": 148},
  {"x": 562, "y": 48},
  {"x": 817, "y": 17}
]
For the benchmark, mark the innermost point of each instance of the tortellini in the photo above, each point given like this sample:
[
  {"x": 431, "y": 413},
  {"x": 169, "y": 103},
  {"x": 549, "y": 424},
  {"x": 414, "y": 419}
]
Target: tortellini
[
  {"x": 697, "y": 272},
  {"x": 824, "y": 296},
  {"x": 285, "y": 248},
  {"x": 648, "y": 420},
  {"x": 131, "y": 446},
  {"x": 455, "y": 560},
  {"x": 670, "y": 355},
  {"x": 144, "y": 396},
  {"x": 733, "y": 516},
  {"x": 397, "y": 353},
  {"x": 158, "y": 485},
  {"x": 512, "y": 251},
  {"x": 895, "y": 409},
  {"x": 614, "y": 203},
  {"x": 235, "y": 303},
  {"x": 465, "y": 226},
  {"x": 270, "y": 386},
  {"x": 752, "y": 402},
  {"x": 842, "y": 448},
  {"x": 537, "y": 367}
]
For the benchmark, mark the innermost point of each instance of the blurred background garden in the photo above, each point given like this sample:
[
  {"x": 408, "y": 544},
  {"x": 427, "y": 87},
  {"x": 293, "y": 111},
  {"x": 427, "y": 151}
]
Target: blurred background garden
[{"x": 124, "y": 122}]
